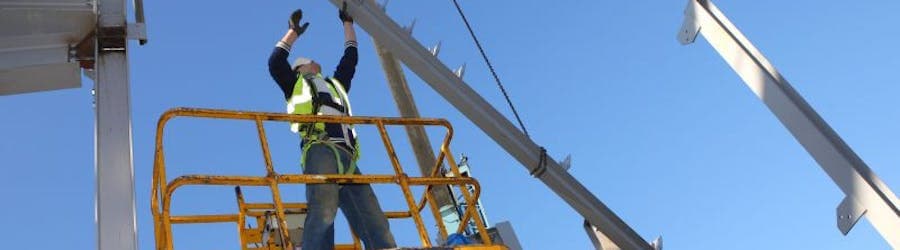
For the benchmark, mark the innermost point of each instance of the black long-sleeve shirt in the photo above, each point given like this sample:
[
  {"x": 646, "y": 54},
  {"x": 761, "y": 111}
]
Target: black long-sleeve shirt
[{"x": 282, "y": 73}]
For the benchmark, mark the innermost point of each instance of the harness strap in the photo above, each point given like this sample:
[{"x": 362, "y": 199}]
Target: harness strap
[
  {"x": 318, "y": 102},
  {"x": 337, "y": 157},
  {"x": 333, "y": 105}
]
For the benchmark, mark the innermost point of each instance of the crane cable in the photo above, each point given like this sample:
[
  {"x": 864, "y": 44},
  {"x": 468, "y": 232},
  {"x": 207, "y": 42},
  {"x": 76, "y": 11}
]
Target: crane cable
[{"x": 491, "y": 67}]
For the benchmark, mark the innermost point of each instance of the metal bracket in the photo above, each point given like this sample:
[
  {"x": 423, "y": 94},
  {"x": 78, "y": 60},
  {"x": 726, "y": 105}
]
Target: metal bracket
[
  {"x": 112, "y": 38},
  {"x": 597, "y": 237},
  {"x": 690, "y": 28},
  {"x": 657, "y": 244},
  {"x": 566, "y": 163},
  {"x": 137, "y": 31},
  {"x": 848, "y": 213},
  {"x": 410, "y": 27},
  {"x": 140, "y": 27},
  {"x": 459, "y": 72},
  {"x": 602, "y": 242},
  {"x": 436, "y": 49}
]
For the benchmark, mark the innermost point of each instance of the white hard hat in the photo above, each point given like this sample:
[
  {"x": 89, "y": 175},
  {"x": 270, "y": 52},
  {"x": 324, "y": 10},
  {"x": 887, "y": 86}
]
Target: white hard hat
[{"x": 300, "y": 61}]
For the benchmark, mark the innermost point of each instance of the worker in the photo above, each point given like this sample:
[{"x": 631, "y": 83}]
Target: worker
[{"x": 328, "y": 148}]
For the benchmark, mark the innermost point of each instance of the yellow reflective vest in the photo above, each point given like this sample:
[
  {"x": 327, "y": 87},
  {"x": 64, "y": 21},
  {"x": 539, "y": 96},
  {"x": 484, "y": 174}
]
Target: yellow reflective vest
[{"x": 313, "y": 95}]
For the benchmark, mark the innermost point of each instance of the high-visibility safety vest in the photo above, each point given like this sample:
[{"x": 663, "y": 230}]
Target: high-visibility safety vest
[{"x": 313, "y": 95}]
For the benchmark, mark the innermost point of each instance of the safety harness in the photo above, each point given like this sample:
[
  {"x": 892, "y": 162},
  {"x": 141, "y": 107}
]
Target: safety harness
[{"x": 313, "y": 95}]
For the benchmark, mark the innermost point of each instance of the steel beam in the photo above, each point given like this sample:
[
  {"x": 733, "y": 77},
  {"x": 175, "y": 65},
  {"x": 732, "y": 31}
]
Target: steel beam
[
  {"x": 865, "y": 193},
  {"x": 419, "y": 60},
  {"x": 81, "y": 5},
  {"x": 24, "y": 57},
  {"x": 418, "y": 139},
  {"x": 40, "y": 78},
  {"x": 115, "y": 173}
]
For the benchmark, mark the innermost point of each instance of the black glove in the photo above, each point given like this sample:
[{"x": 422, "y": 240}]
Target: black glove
[
  {"x": 294, "y": 22},
  {"x": 343, "y": 15}
]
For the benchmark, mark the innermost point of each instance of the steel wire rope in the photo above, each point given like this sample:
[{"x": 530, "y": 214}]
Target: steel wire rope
[{"x": 491, "y": 67}]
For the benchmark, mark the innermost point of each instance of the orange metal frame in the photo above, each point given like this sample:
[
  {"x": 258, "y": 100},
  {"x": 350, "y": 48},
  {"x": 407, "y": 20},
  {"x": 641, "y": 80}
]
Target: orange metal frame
[{"x": 163, "y": 189}]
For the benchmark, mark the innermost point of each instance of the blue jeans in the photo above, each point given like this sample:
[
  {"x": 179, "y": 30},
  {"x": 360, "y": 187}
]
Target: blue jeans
[{"x": 357, "y": 201}]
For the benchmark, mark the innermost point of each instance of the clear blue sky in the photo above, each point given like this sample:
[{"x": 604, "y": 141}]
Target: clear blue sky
[{"x": 667, "y": 136}]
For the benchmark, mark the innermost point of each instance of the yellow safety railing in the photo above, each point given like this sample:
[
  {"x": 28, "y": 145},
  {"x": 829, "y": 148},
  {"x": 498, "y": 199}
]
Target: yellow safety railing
[{"x": 163, "y": 189}]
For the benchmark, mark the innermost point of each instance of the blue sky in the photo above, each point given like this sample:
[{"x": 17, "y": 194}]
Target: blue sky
[{"x": 666, "y": 135}]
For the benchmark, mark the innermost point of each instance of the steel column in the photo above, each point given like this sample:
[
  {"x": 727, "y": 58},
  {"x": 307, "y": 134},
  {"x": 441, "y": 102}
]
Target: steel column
[
  {"x": 383, "y": 29},
  {"x": 865, "y": 193},
  {"x": 115, "y": 174}
]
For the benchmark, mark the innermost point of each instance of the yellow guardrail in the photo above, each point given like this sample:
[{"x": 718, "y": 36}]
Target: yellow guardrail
[{"x": 163, "y": 189}]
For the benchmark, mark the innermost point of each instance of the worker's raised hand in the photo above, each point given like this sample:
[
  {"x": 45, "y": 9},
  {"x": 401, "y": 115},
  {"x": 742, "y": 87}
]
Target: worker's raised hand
[
  {"x": 294, "y": 22},
  {"x": 343, "y": 15}
]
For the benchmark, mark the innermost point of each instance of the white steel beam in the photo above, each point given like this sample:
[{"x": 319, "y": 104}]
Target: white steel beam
[
  {"x": 419, "y": 60},
  {"x": 35, "y": 41},
  {"x": 23, "y": 57},
  {"x": 81, "y": 5},
  {"x": 16, "y": 23},
  {"x": 116, "y": 228},
  {"x": 40, "y": 78},
  {"x": 865, "y": 193}
]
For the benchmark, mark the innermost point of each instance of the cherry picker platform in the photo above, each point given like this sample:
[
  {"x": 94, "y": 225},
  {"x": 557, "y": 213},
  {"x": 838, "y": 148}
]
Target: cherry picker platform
[{"x": 278, "y": 225}]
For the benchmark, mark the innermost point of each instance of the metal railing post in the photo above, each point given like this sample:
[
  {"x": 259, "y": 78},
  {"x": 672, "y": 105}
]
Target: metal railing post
[{"x": 273, "y": 185}]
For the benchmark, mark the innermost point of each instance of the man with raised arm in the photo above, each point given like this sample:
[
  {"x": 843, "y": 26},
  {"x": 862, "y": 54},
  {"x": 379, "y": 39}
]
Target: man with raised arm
[{"x": 328, "y": 148}]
